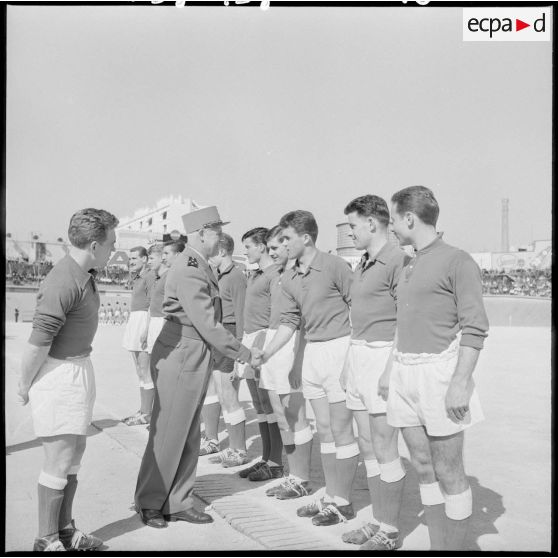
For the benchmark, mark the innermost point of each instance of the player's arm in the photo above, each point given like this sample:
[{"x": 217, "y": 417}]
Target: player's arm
[
  {"x": 193, "y": 294},
  {"x": 344, "y": 279},
  {"x": 32, "y": 360},
  {"x": 280, "y": 339},
  {"x": 53, "y": 303},
  {"x": 145, "y": 333},
  {"x": 467, "y": 284},
  {"x": 238, "y": 295},
  {"x": 383, "y": 382},
  {"x": 461, "y": 384},
  {"x": 290, "y": 322}
]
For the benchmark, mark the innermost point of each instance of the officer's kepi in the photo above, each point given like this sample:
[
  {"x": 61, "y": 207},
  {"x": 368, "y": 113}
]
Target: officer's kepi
[{"x": 200, "y": 218}]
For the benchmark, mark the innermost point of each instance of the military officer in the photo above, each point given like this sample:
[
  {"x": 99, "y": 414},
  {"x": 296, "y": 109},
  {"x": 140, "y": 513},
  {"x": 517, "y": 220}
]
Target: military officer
[{"x": 181, "y": 363}]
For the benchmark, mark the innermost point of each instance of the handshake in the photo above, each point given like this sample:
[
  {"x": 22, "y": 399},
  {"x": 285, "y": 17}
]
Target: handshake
[{"x": 257, "y": 357}]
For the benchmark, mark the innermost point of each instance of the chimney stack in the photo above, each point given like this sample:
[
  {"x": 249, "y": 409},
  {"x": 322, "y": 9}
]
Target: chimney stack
[{"x": 505, "y": 226}]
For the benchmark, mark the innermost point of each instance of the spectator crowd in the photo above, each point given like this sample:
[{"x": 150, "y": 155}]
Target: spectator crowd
[
  {"x": 19, "y": 272},
  {"x": 520, "y": 282}
]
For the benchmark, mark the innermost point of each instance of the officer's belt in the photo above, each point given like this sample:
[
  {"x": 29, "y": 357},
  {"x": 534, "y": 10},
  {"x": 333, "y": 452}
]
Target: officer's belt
[{"x": 175, "y": 329}]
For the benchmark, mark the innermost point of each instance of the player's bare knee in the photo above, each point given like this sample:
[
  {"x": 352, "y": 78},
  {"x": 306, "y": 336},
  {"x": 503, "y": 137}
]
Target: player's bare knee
[
  {"x": 342, "y": 434},
  {"x": 79, "y": 450},
  {"x": 451, "y": 477},
  {"x": 366, "y": 449},
  {"x": 324, "y": 431},
  {"x": 58, "y": 465},
  {"x": 385, "y": 445},
  {"x": 422, "y": 463}
]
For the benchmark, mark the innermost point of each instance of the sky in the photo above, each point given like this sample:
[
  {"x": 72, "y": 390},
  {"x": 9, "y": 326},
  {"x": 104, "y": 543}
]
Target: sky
[{"x": 262, "y": 112}]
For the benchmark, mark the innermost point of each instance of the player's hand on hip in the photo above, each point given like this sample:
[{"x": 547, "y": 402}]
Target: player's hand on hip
[{"x": 457, "y": 400}]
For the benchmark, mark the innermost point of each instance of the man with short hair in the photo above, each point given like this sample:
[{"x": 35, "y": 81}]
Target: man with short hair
[
  {"x": 257, "y": 311},
  {"x": 160, "y": 259},
  {"x": 366, "y": 373},
  {"x": 232, "y": 289},
  {"x": 317, "y": 289},
  {"x": 155, "y": 320},
  {"x": 441, "y": 327},
  {"x": 280, "y": 376},
  {"x": 143, "y": 280},
  {"x": 181, "y": 363},
  {"x": 57, "y": 377}
]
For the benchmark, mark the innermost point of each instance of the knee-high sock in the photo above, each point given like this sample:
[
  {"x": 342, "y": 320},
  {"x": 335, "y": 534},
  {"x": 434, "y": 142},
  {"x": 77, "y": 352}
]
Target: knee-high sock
[
  {"x": 142, "y": 398},
  {"x": 51, "y": 495},
  {"x": 236, "y": 425},
  {"x": 264, "y": 433},
  {"x": 299, "y": 457},
  {"x": 327, "y": 455},
  {"x": 459, "y": 508},
  {"x": 275, "y": 441},
  {"x": 434, "y": 514},
  {"x": 69, "y": 492},
  {"x": 210, "y": 414},
  {"x": 392, "y": 479},
  {"x": 147, "y": 394},
  {"x": 373, "y": 481},
  {"x": 346, "y": 463}
]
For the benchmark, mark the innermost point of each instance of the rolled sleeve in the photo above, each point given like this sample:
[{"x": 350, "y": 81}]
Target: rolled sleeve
[
  {"x": 194, "y": 296},
  {"x": 471, "y": 314},
  {"x": 290, "y": 311},
  {"x": 53, "y": 303}
]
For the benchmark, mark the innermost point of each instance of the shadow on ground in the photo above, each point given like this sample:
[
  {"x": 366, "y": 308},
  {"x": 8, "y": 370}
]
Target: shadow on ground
[
  {"x": 487, "y": 504},
  {"x": 36, "y": 442},
  {"x": 100, "y": 425},
  {"x": 118, "y": 528}
]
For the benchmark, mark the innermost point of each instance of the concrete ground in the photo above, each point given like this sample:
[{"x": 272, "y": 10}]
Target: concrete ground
[{"x": 507, "y": 457}]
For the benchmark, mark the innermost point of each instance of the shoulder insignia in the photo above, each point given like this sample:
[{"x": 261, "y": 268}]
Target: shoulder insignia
[{"x": 192, "y": 262}]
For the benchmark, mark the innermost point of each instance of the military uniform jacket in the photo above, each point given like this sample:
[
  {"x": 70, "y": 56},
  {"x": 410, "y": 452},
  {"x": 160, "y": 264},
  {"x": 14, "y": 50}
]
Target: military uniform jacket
[{"x": 192, "y": 300}]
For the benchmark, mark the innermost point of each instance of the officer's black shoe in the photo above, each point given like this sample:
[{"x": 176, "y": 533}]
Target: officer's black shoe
[
  {"x": 192, "y": 515},
  {"x": 245, "y": 472},
  {"x": 152, "y": 518}
]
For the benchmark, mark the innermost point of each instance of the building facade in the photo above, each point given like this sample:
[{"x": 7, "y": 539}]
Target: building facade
[
  {"x": 161, "y": 219},
  {"x": 153, "y": 224},
  {"x": 538, "y": 255}
]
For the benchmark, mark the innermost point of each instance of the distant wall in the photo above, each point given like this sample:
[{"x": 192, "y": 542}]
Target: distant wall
[
  {"x": 25, "y": 298},
  {"x": 518, "y": 311},
  {"x": 502, "y": 310}
]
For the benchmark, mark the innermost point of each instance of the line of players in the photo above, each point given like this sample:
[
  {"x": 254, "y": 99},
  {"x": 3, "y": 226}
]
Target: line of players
[
  {"x": 115, "y": 316},
  {"x": 392, "y": 345}
]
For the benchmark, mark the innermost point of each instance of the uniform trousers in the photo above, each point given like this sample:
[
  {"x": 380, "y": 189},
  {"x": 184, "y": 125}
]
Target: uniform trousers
[{"x": 181, "y": 368}]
